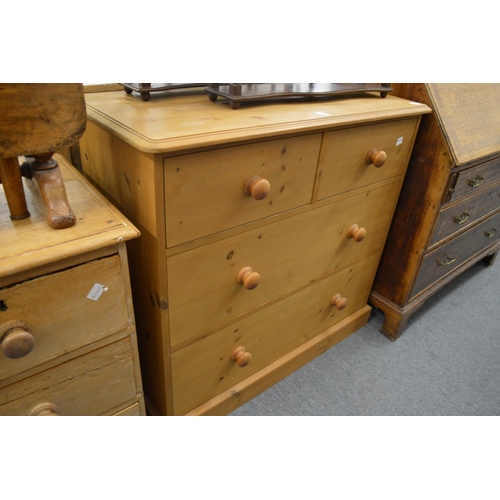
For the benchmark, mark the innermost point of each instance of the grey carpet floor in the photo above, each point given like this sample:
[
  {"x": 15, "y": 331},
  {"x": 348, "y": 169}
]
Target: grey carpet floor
[{"x": 447, "y": 362}]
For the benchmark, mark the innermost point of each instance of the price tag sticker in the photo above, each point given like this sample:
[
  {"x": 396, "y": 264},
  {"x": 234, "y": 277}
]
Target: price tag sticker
[{"x": 96, "y": 291}]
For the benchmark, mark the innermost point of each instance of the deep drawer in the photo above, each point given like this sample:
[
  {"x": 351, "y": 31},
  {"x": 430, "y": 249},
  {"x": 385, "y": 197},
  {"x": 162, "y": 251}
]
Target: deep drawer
[
  {"x": 456, "y": 218},
  {"x": 89, "y": 385},
  {"x": 205, "y": 368},
  {"x": 203, "y": 287},
  {"x": 59, "y": 315},
  {"x": 343, "y": 165},
  {"x": 451, "y": 255},
  {"x": 468, "y": 181},
  {"x": 204, "y": 192}
]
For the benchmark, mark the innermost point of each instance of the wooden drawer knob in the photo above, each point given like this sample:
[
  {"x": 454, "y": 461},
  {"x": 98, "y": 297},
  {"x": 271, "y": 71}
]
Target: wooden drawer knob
[
  {"x": 256, "y": 187},
  {"x": 249, "y": 278},
  {"x": 338, "y": 301},
  {"x": 377, "y": 158},
  {"x": 17, "y": 342},
  {"x": 356, "y": 233},
  {"x": 241, "y": 356},
  {"x": 44, "y": 410}
]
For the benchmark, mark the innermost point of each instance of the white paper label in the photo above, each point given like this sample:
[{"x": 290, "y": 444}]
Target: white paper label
[
  {"x": 96, "y": 291},
  {"x": 399, "y": 141}
]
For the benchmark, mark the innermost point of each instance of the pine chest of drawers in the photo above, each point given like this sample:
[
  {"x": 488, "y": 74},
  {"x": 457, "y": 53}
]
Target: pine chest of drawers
[
  {"x": 261, "y": 229},
  {"x": 448, "y": 215},
  {"x": 67, "y": 332}
]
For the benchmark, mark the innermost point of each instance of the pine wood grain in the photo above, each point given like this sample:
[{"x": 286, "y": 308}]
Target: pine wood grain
[
  {"x": 76, "y": 387},
  {"x": 282, "y": 254},
  {"x": 188, "y": 120},
  {"x": 205, "y": 369},
  {"x": 204, "y": 192},
  {"x": 342, "y": 164},
  {"x": 194, "y": 156}
]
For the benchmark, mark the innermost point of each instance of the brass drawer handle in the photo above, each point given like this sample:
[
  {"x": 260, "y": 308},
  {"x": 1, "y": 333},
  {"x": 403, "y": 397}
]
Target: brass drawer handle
[
  {"x": 490, "y": 233},
  {"x": 447, "y": 261},
  {"x": 462, "y": 217},
  {"x": 475, "y": 181}
]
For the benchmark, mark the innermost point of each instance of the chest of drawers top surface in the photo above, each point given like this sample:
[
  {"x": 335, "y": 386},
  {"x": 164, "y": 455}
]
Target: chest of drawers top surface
[
  {"x": 30, "y": 242},
  {"x": 188, "y": 119}
]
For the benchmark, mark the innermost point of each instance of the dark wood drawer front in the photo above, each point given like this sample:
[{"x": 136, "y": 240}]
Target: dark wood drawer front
[
  {"x": 455, "y": 218},
  {"x": 472, "y": 179},
  {"x": 448, "y": 257}
]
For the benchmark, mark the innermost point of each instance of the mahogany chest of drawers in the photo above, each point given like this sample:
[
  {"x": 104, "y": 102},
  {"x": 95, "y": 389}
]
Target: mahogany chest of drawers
[
  {"x": 67, "y": 329},
  {"x": 261, "y": 229},
  {"x": 448, "y": 214}
]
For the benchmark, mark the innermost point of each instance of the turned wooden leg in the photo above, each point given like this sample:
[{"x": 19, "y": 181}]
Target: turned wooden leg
[
  {"x": 49, "y": 183},
  {"x": 10, "y": 175}
]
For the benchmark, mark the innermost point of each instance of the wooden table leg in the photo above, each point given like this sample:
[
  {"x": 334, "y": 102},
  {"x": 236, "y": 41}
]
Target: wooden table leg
[
  {"x": 49, "y": 183},
  {"x": 10, "y": 175}
]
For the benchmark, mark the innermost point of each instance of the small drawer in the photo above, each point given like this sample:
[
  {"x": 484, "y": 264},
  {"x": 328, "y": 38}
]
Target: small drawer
[
  {"x": 468, "y": 181},
  {"x": 89, "y": 385},
  {"x": 457, "y": 217},
  {"x": 206, "y": 368},
  {"x": 448, "y": 257},
  {"x": 208, "y": 192},
  {"x": 346, "y": 156},
  {"x": 204, "y": 291},
  {"x": 55, "y": 312}
]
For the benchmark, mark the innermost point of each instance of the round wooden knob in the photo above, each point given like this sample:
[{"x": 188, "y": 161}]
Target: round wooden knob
[
  {"x": 256, "y": 187},
  {"x": 44, "y": 410},
  {"x": 338, "y": 301},
  {"x": 249, "y": 278},
  {"x": 356, "y": 233},
  {"x": 241, "y": 356},
  {"x": 376, "y": 157},
  {"x": 17, "y": 342}
]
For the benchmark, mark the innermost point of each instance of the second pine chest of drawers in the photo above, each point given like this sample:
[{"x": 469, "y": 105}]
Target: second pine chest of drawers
[{"x": 261, "y": 229}]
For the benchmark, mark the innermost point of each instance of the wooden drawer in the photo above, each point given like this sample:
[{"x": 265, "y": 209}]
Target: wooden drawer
[
  {"x": 131, "y": 411},
  {"x": 204, "y": 191},
  {"x": 343, "y": 164},
  {"x": 438, "y": 263},
  {"x": 457, "y": 217},
  {"x": 205, "y": 368},
  {"x": 59, "y": 314},
  {"x": 202, "y": 283},
  {"x": 468, "y": 181},
  {"x": 89, "y": 385}
]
